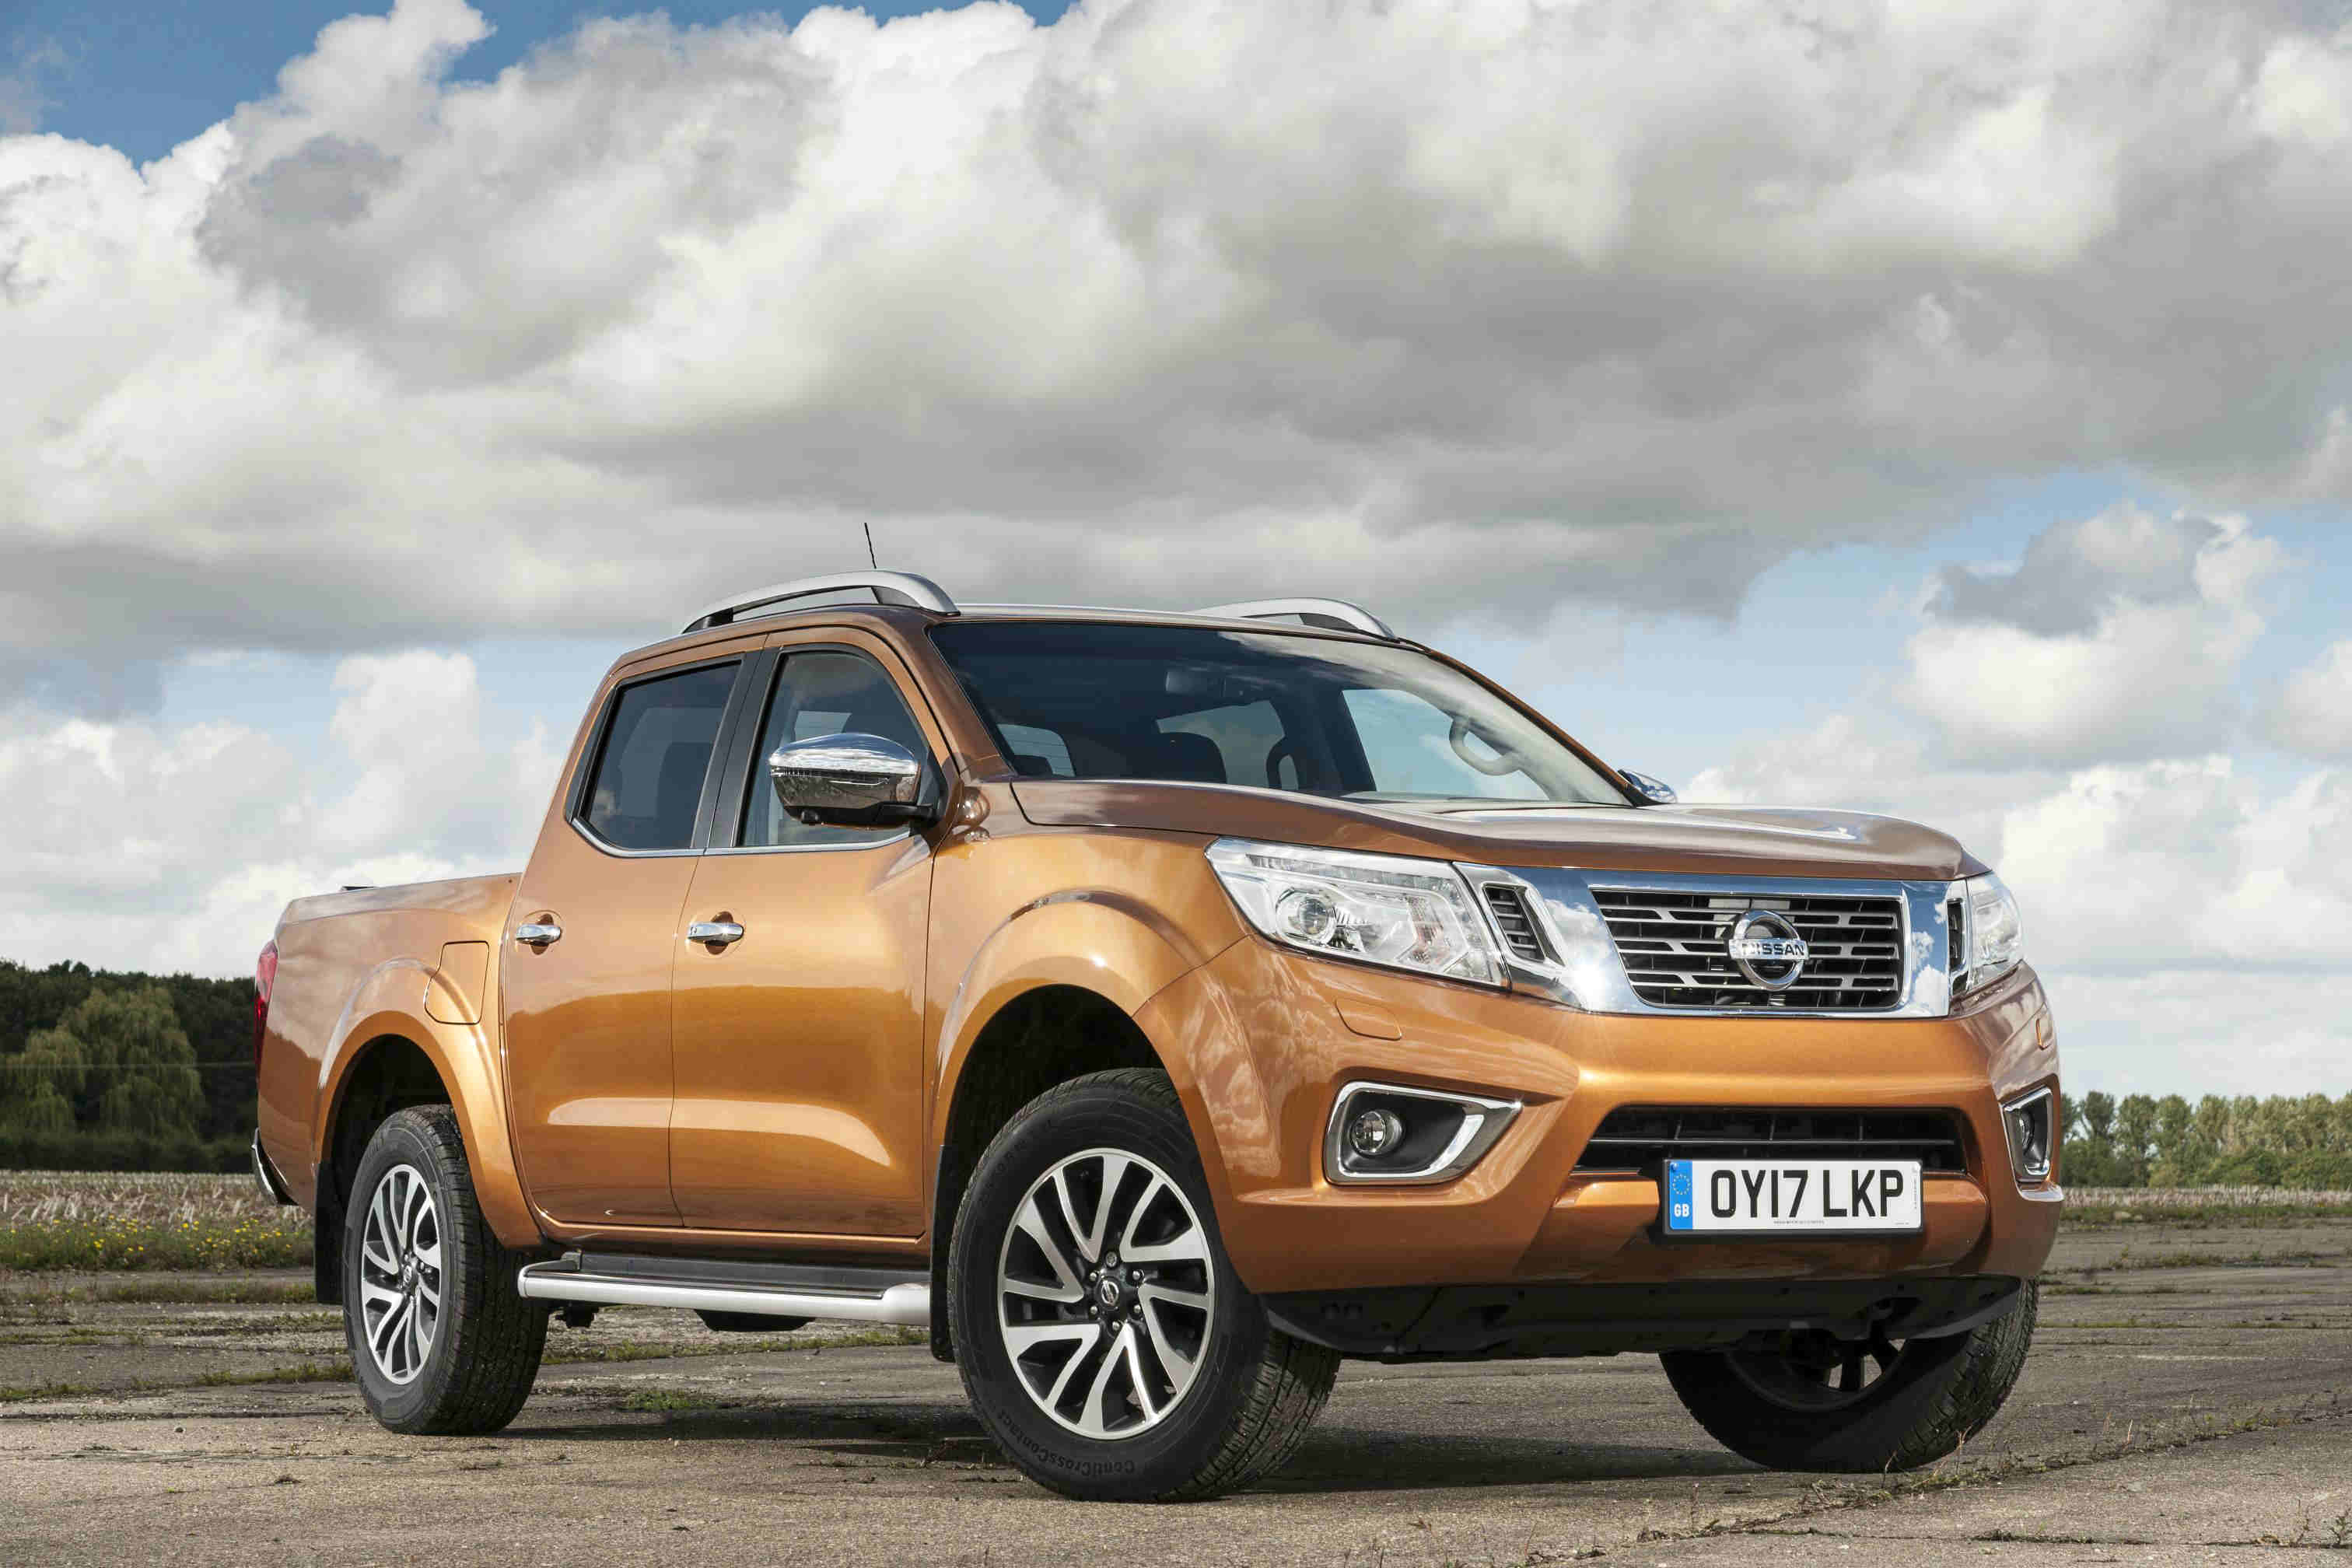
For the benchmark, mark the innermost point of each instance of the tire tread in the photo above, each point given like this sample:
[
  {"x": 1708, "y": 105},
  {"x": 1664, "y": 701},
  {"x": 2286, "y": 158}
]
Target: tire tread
[{"x": 494, "y": 1337}]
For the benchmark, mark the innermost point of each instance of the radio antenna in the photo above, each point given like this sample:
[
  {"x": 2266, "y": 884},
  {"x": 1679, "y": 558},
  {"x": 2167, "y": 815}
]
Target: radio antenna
[{"x": 869, "y": 546}]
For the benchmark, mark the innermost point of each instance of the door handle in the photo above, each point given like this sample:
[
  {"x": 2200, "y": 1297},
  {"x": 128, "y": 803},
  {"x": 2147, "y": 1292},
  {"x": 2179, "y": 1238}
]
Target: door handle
[
  {"x": 532, "y": 933},
  {"x": 714, "y": 933}
]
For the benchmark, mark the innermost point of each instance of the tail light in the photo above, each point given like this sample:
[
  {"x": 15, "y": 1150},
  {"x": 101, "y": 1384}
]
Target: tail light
[{"x": 265, "y": 977}]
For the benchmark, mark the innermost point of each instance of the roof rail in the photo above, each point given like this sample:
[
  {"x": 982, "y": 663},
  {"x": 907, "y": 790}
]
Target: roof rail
[
  {"x": 889, "y": 587},
  {"x": 1334, "y": 615}
]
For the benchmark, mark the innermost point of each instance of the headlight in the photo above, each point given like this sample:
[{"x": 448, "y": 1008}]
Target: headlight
[
  {"x": 1990, "y": 939},
  {"x": 1375, "y": 909}
]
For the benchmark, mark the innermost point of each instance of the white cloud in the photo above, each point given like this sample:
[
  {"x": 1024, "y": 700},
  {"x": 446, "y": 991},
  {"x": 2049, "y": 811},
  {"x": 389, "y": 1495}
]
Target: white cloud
[
  {"x": 2312, "y": 711},
  {"x": 1468, "y": 307},
  {"x": 2116, "y": 637},
  {"x": 2200, "y": 1031},
  {"x": 140, "y": 846}
]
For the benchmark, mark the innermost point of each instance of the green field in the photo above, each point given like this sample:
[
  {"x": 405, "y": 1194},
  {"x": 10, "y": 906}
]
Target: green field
[{"x": 106, "y": 1221}]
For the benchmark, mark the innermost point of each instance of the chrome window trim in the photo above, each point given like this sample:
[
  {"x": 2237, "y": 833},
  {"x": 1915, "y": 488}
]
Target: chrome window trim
[
  {"x": 1591, "y": 976},
  {"x": 885, "y": 839},
  {"x": 617, "y": 853},
  {"x": 1482, "y": 1125}
]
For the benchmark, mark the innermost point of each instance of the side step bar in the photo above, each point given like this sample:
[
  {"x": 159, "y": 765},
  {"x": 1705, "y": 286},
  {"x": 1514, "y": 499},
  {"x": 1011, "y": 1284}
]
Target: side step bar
[{"x": 774, "y": 1291}]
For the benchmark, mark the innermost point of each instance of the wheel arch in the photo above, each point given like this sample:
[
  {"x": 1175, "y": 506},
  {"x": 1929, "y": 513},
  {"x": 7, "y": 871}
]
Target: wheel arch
[
  {"x": 1054, "y": 1024},
  {"x": 388, "y": 1052}
]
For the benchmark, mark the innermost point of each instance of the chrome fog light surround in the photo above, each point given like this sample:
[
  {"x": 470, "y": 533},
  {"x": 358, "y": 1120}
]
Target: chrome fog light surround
[
  {"x": 1442, "y": 1133},
  {"x": 2027, "y": 1121}
]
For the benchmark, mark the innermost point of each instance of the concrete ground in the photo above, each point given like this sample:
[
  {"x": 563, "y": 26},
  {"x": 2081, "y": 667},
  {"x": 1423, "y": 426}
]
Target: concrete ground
[{"x": 2189, "y": 1400}]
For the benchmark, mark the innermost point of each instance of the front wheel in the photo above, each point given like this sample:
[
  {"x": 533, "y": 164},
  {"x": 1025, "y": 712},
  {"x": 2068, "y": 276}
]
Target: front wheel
[
  {"x": 1809, "y": 1402},
  {"x": 1099, "y": 1329},
  {"x": 442, "y": 1341}
]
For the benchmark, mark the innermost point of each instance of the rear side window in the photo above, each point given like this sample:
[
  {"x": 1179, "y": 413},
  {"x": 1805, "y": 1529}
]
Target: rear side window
[{"x": 647, "y": 785}]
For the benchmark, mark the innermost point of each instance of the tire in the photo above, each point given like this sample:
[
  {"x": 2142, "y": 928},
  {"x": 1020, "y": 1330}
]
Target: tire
[
  {"x": 468, "y": 1365},
  {"x": 1780, "y": 1408},
  {"x": 1136, "y": 1420}
]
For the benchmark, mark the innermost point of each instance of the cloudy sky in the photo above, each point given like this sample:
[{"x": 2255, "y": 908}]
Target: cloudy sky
[{"x": 1940, "y": 409}]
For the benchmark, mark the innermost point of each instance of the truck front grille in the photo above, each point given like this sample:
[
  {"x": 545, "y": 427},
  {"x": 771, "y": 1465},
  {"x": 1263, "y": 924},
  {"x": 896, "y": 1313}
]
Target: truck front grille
[
  {"x": 1674, "y": 946},
  {"x": 1637, "y": 1137}
]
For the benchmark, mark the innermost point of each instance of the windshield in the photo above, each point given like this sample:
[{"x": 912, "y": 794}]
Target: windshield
[{"x": 1317, "y": 715}]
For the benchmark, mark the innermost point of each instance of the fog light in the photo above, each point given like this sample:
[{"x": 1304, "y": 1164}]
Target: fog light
[
  {"x": 1391, "y": 1132},
  {"x": 2027, "y": 1121},
  {"x": 1374, "y": 1132}
]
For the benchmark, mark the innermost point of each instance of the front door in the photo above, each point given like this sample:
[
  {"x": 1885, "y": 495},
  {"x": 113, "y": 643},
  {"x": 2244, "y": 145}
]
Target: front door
[
  {"x": 587, "y": 1009},
  {"x": 799, "y": 1052}
]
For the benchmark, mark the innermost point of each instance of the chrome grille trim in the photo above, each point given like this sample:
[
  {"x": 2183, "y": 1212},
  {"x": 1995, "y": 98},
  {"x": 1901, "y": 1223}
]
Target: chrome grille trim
[
  {"x": 1672, "y": 945},
  {"x": 1583, "y": 967}
]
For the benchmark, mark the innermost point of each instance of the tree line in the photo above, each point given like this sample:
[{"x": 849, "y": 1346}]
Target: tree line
[
  {"x": 104, "y": 1070},
  {"x": 2141, "y": 1140}
]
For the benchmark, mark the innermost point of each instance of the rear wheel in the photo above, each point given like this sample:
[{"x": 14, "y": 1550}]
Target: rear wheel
[
  {"x": 441, "y": 1340},
  {"x": 1808, "y": 1401},
  {"x": 1101, "y": 1333}
]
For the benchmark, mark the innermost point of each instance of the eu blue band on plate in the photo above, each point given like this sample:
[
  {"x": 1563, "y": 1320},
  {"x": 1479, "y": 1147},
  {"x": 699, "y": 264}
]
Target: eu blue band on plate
[{"x": 1678, "y": 1194}]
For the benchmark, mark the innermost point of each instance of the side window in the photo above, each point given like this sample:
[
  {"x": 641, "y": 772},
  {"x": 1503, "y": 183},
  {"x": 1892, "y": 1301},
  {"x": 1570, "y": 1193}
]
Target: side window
[
  {"x": 1408, "y": 741},
  {"x": 823, "y": 692},
  {"x": 647, "y": 782}
]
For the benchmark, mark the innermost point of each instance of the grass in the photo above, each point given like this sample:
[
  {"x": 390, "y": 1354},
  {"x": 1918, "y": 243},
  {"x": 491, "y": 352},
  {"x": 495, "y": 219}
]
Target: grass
[
  {"x": 106, "y": 1244},
  {"x": 173, "y": 1292},
  {"x": 107, "y": 1221},
  {"x": 667, "y": 1401},
  {"x": 308, "y": 1372},
  {"x": 2107, "y": 1208}
]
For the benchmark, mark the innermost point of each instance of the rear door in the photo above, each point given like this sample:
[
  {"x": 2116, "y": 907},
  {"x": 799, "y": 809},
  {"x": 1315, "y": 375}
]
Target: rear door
[
  {"x": 799, "y": 1104},
  {"x": 587, "y": 1013}
]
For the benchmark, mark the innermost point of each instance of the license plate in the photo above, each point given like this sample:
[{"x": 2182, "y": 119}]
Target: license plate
[{"x": 1784, "y": 1197}]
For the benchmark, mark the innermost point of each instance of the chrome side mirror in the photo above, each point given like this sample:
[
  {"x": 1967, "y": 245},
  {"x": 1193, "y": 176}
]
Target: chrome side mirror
[
  {"x": 849, "y": 780},
  {"x": 1656, "y": 792}
]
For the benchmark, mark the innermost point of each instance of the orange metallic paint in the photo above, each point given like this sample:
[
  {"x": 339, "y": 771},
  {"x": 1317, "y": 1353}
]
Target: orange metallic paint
[
  {"x": 799, "y": 1049},
  {"x": 360, "y": 967},
  {"x": 796, "y": 1100}
]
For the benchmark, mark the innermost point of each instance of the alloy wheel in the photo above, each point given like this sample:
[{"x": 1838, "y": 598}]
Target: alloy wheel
[
  {"x": 1105, "y": 1293},
  {"x": 399, "y": 1274}
]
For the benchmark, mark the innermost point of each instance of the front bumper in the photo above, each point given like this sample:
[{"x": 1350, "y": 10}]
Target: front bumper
[{"x": 1259, "y": 1040}]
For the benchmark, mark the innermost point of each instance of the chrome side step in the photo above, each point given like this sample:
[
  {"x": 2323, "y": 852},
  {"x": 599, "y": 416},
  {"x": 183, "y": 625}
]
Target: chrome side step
[{"x": 857, "y": 1296}]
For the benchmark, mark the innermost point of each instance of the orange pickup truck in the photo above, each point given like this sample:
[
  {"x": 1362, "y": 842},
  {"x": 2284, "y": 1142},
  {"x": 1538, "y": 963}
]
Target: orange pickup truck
[{"x": 1160, "y": 1007}]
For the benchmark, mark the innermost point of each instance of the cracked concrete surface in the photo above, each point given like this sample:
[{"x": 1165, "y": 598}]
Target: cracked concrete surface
[{"x": 2185, "y": 1403}]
